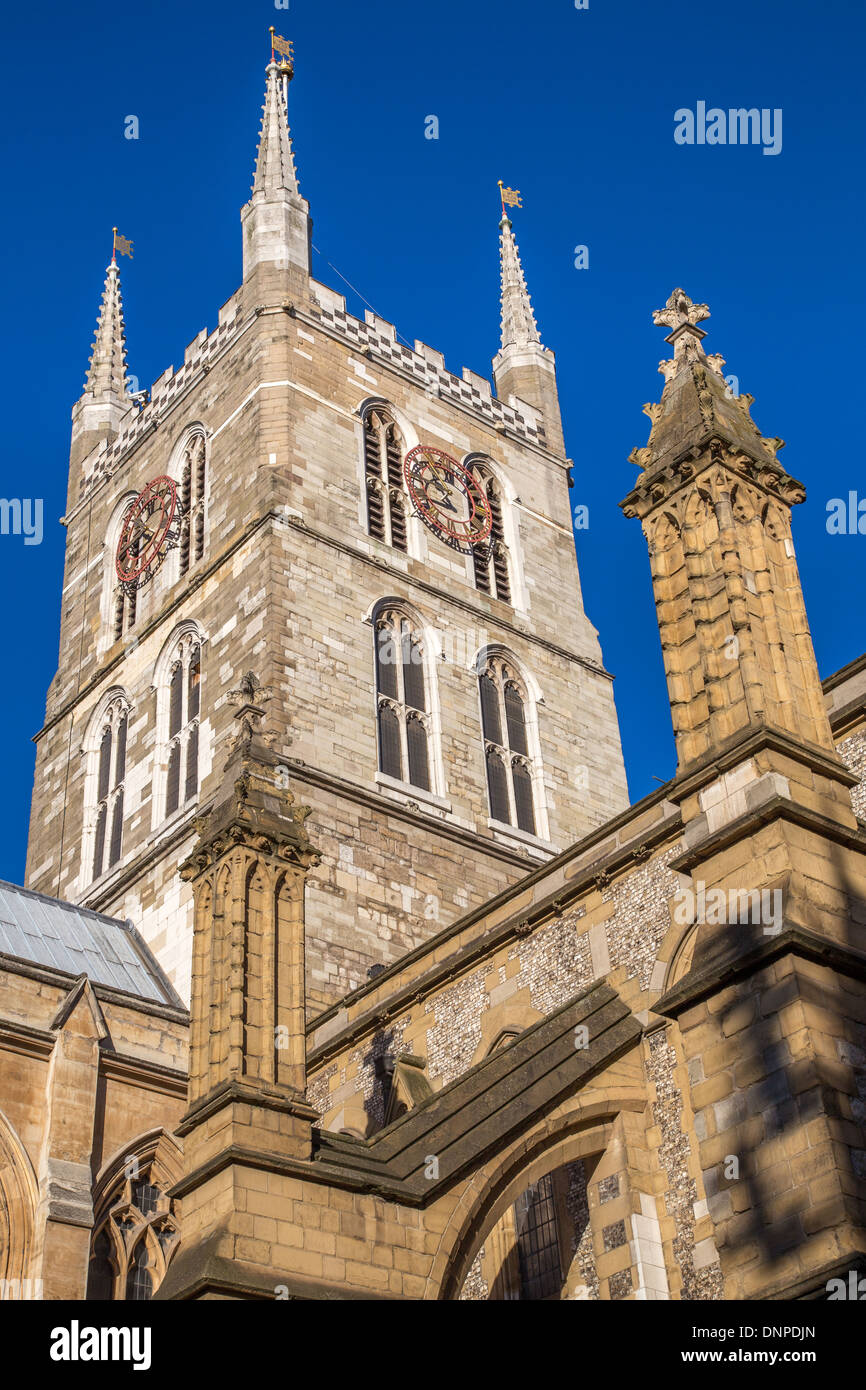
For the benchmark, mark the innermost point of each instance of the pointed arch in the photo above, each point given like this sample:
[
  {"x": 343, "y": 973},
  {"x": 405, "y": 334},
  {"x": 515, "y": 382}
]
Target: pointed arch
[
  {"x": 387, "y": 502},
  {"x": 189, "y": 467},
  {"x": 405, "y": 649},
  {"x": 508, "y": 699},
  {"x": 105, "y": 749},
  {"x": 177, "y": 683},
  {"x": 136, "y": 1228},
  {"x": 493, "y": 565},
  {"x": 19, "y": 1193}
]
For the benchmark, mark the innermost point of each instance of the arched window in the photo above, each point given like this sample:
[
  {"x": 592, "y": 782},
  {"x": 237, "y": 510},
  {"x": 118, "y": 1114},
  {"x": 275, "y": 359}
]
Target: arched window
[
  {"x": 506, "y": 746},
  {"x": 110, "y": 774},
  {"x": 491, "y": 563},
  {"x": 401, "y": 699},
  {"x": 383, "y": 472},
  {"x": 538, "y": 1246},
  {"x": 178, "y": 714},
  {"x": 135, "y": 1234},
  {"x": 192, "y": 501}
]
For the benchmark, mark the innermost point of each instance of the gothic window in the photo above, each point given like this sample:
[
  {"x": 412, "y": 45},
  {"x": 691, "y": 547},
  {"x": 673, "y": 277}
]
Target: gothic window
[
  {"x": 181, "y": 715},
  {"x": 136, "y": 1235},
  {"x": 538, "y": 1249},
  {"x": 110, "y": 777},
  {"x": 192, "y": 499},
  {"x": 491, "y": 565},
  {"x": 139, "y": 1284},
  {"x": 506, "y": 746},
  {"x": 402, "y": 705},
  {"x": 383, "y": 473}
]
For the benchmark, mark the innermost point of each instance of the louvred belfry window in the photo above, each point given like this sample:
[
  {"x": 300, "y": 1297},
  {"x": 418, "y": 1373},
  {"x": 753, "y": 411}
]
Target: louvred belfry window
[
  {"x": 401, "y": 698},
  {"x": 383, "y": 472},
  {"x": 506, "y": 747},
  {"x": 490, "y": 563},
  {"x": 182, "y": 771},
  {"x": 192, "y": 501},
  {"x": 110, "y": 778}
]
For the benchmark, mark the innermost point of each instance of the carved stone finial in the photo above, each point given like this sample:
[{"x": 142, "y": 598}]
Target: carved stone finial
[
  {"x": 250, "y": 691},
  {"x": 679, "y": 311}
]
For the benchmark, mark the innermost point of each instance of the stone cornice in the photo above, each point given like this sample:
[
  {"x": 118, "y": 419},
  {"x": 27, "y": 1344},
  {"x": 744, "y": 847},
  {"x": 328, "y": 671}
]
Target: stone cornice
[
  {"x": 135, "y": 1071},
  {"x": 660, "y": 482},
  {"x": 65, "y": 981},
  {"x": 792, "y": 940},
  {"x": 258, "y": 1094},
  {"x": 193, "y": 1274},
  {"x": 776, "y": 808},
  {"x": 24, "y": 1038},
  {"x": 853, "y": 668},
  {"x": 749, "y": 742}
]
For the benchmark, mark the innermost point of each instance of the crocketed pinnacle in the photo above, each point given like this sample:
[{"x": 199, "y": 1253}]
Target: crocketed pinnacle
[
  {"x": 107, "y": 373},
  {"x": 698, "y": 401},
  {"x": 518, "y": 321},
  {"x": 275, "y": 164}
]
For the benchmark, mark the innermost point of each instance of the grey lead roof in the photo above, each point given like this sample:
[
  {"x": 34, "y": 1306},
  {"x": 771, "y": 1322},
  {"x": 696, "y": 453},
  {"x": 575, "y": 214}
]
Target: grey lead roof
[{"x": 48, "y": 932}]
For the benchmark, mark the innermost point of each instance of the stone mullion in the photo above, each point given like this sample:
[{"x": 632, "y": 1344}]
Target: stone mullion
[
  {"x": 386, "y": 488},
  {"x": 506, "y": 746},
  {"x": 241, "y": 862},
  {"x": 201, "y": 984},
  {"x": 290, "y": 1062},
  {"x": 269, "y": 949}
]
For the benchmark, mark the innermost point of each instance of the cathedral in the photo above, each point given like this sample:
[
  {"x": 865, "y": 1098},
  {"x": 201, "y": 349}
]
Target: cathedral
[{"x": 343, "y": 968}]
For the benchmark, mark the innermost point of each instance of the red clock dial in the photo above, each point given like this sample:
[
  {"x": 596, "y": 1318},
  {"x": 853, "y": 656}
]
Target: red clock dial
[
  {"x": 448, "y": 498},
  {"x": 147, "y": 532}
]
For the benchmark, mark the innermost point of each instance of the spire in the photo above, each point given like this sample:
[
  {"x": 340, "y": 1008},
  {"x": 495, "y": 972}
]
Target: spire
[
  {"x": 518, "y": 321},
  {"x": 276, "y": 220},
  {"x": 524, "y": 370},
  {"x": 107, "y": 373},
  {"x": 275, "y": 163}
]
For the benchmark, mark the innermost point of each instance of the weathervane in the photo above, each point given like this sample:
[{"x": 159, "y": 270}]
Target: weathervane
[{"x": 511, "y": 196}]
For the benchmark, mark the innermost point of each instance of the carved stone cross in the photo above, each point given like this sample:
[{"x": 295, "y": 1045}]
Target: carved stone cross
[{"x": 680, "y": 310}]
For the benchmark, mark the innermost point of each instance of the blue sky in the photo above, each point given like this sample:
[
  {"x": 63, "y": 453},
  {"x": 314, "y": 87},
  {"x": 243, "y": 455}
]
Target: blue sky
[{"x": 573, "y": 107}]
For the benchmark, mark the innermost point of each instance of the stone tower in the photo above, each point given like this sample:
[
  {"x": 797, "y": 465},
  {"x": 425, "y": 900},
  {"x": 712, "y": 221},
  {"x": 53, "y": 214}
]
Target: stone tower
[{"x": 442, "y": 707}]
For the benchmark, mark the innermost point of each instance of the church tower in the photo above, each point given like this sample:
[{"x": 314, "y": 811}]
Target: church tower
[{"x": 309, "y": 518}]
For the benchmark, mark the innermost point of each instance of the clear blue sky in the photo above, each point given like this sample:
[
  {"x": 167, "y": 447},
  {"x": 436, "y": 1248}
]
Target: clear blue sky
[{"x": 576, "y": 109}]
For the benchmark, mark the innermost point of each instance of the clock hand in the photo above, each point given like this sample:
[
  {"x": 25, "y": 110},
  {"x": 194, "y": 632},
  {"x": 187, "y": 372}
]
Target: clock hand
[{"x": 445, "y": 500}]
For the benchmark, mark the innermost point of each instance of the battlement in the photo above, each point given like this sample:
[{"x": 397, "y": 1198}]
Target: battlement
[
  {"x": 427, "y": 366},
  {"x": 164, "y": 390},
  {"x": 372, "y": 336}
]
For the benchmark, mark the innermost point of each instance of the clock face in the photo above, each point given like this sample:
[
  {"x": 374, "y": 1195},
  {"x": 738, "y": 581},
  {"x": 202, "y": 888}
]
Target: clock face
[
  {"x": 147, "y": 534},
  {"x": 448, "y": 498}
]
